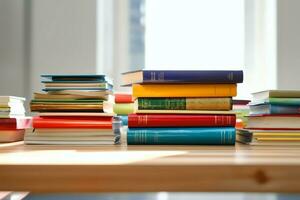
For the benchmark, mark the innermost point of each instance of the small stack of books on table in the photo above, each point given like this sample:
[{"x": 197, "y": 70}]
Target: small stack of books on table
[
  {"x": 72, "y": 111},
  {"x": 274, "y": 119},
  {"x": 13, "y": 121},
  {"x": 182, "y": 107},
  {"x": 123, "y": 106}
]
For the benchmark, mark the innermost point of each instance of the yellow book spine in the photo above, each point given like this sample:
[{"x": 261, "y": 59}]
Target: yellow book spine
[{"x": 184, "y": 90}]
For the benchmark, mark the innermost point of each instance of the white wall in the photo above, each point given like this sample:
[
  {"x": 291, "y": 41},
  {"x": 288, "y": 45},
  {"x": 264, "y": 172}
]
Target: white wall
[
  {"x": 288, "y": 44},
  {"x": 12, "y": 62},
  {"x": 63, "y": 38}
]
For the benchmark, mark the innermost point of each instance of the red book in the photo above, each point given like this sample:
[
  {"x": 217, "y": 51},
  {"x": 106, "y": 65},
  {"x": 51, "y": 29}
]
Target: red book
[
  {"x": 170, "y": 120},
  {"x": 15, "y": 123},
  {"x": 123, "y": 98},
  {"x": 73, "y": 122}
]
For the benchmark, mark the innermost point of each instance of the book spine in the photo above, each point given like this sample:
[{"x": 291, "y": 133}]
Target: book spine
[
  {"x": 123, "y": 98},
  {"x": 123, "y": 108},
  {"x": 278, "y": 109},
  {"x": 8, "y": 124},
  {"x": 181, "y": 136},
  {"x": 171, "y": 120},
  {"x": 192, "y": 76},
  {"x": 184, "y": 103},
  {"x": 184, "y": 90},
  {"x": 54, "y": 123}
]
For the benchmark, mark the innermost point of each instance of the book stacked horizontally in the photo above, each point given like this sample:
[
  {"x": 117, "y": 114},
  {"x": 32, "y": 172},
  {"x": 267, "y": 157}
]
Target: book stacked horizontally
[
  {"x": 12, "y": 119},
  {"x": 72, "y": 111},
  {"x": 182, "y": 107},
  {"x": 274, "y": 119},
  {"x": 123, "y": 106},
  {"x": 241, "y": 109}
]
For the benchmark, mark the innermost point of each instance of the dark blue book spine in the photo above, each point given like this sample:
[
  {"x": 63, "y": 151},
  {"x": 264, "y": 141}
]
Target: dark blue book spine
[
  {"x": 153, "y": 76},
  {"x": 181, "y": 136}
]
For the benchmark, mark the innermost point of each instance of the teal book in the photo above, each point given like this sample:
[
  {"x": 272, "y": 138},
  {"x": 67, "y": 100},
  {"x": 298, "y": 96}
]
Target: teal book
[{"x": 181, "y": 136}]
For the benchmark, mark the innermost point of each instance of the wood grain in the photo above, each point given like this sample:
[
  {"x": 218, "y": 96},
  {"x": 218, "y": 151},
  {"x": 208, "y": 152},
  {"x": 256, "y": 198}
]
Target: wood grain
[{"x": 124, "y": 168}]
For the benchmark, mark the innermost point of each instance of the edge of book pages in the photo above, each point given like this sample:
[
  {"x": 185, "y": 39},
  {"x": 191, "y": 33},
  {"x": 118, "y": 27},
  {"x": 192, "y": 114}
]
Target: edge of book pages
[{"x": 184, "y": 112}]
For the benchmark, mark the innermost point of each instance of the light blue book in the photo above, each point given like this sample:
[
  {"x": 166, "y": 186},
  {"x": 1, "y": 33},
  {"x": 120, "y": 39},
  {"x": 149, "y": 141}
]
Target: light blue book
[
  {"x": 273, "y": 109},
  {"x": 181, "y": 136}
]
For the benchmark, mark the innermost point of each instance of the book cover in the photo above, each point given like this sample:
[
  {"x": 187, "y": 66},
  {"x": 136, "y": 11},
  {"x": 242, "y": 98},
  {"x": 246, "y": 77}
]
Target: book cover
[
  {"x": 181, "y": 136},
  {"x": 123, "y": 108},
  {"x": 40, "y": 96},
  {"x": 184, "y": 103},
  {"x": 276, "y": 93},
  {"x": 190, "y": 112},
  {"x": 123, "y": 98},
  {"x": 11, "y": 135},
  {"x": 182, "y": 76},
  {"x": 66, "y": 107},
  {"x": 76, "y": 114},
  {"x": 278, "y": 101},
  {"x": 184, "y": 90},
  {"x": 73, "y": 122},
  {"x": 273, "y": 109},
  {"x": 15, "y": 123},
  {"x": 173, "y": 120},
  {"x": 274, "y": 121},
  {"x": 73, "y": 77}
]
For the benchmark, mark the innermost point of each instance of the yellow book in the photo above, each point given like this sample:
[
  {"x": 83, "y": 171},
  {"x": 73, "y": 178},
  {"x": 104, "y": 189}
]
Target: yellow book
[{"x": 184, "y": 90}]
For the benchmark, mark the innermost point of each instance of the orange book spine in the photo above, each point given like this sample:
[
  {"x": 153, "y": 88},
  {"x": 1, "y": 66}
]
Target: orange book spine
[{"x": 184, "y": 90}]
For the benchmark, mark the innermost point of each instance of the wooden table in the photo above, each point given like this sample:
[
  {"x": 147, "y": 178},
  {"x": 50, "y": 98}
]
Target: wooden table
[{"x": 149, "y": 168}]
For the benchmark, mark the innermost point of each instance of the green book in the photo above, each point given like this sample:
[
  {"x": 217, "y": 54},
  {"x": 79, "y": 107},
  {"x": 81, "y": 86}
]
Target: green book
[{"x": 184, "y": 103}]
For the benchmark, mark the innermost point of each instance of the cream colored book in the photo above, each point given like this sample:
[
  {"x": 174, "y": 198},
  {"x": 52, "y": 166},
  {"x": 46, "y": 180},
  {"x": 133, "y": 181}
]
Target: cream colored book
[{"x": 185, "y": 112}]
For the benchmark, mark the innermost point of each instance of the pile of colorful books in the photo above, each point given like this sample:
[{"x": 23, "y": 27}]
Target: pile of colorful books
[
  {"x": 13, "y": 121},
  {"x": 274, "y": 119},
  {"x": 123, "y": 106},
  {"x": 72, "y": 111},
  {"x": 182, "y": 107}
]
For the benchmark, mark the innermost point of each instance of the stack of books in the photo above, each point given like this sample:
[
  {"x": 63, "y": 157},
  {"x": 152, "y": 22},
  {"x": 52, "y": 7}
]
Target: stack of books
[
  {"x": 13, "y": 121},
  {"x": 73, "y": 111},
  {"x": 123, "y": 106},
  {"x": 182, "y": 107},
  {"x": 274, "y": 119}
]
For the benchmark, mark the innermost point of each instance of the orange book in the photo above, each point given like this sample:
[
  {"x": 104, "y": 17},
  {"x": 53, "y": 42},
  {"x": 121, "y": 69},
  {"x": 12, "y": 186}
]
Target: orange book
[{"x": 184, "y": 90}]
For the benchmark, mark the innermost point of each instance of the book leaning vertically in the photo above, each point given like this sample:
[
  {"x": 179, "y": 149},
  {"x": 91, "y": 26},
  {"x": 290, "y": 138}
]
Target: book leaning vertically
[
  {"x": 75, "y": 110},
  {"x": 182, "y": 107},
  {"x": 13, "y": 121},
  {"x": 274, "y": 119}
]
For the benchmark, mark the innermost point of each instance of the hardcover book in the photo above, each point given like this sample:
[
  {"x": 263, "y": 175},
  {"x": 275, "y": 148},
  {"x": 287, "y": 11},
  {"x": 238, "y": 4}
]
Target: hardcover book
[
  {"x": 182, "y": 76},
  {"x": 181, "y": 136},
  {"x": 184, "y": 90},
  {"x": 73, "y": 122},
  {"x": 273, "y": 109},
  {"x": 173, "y": 120},
  {"x": 282, "y": 121},
  {"x": 276, "y": 93},
  {"x": 15, "y": 123},
  {"x": 184, "y": 103}
]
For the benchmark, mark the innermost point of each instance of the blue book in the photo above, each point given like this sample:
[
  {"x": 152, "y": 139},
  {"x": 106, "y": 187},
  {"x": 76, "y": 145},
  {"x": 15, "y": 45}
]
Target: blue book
[
  {"x": 124, "y": 119},
  {"x": 76, "y": 78},
  {"x": 62, "y": 89},
  {"x": 267, "y": 108},
  {"x": 181, "y": 136},
  {"x": 183, "y": 76}
]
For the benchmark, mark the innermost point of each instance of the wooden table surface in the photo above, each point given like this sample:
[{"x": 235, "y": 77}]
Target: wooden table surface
[{"x": 124, "y": 168}]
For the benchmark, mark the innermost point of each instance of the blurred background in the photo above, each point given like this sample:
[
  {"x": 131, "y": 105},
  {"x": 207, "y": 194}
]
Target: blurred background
[
  {"x": 260, "y": 37},
  {"x": 114, "y": 36}
]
